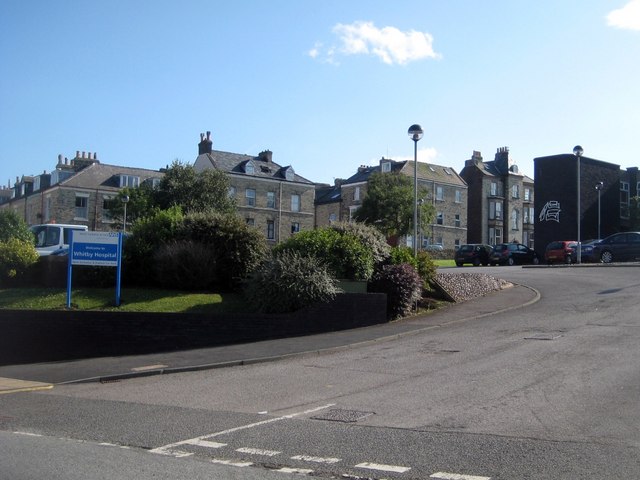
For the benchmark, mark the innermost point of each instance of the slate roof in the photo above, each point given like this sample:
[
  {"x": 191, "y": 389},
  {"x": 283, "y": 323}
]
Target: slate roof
[
  {"x": 327, "y": 194},
  {"x": 235, "y": 163},
  {"x": 426, "y": 171},
  {"x": 100, "y": 175}
]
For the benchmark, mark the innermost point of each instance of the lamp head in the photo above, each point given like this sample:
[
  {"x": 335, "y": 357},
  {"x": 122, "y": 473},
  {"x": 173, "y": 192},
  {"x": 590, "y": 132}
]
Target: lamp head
[
  {"x": 577, "y": 151},
  {"x": 415, "y": 132}
]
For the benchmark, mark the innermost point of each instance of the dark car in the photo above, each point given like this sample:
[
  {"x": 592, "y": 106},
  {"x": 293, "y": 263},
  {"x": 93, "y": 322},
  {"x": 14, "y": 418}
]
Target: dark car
[
  {"x": 561, "y": 251},
  {"x": 513, "y": 254},
  {"x": 473, "y": 253},
  {"x": 586, "y": 251},
  {"x": 619, "y": 247}
]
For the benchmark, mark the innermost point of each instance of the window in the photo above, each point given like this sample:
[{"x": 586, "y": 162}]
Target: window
[
  {"x": 515, "y": 219},
  {"x": 36, "y": 184},
  {"x": 332, "y": 218},
  {"x": 295, "y": 203},
  {"x": 232, "y": 192},
  {"x": 495, "y": 236},
  {"x": 289, "y": 174},
  {"x": 439, "y": 193},
  {"x": 456, "y": 242},
  {"x": 495, "y": 210},
  {"x": 249, "y": 169},
  {"x": 82, "y": 206},
  {"x": 458, "y": 196},
  {"x": 494, "y": 189},
  {"x": 352, "y": 212},
  {"x": 440, "y": 218},
  {"x": 130, "y": 181},
  {"x": 439, "y": 241},
  {"x": 527, "y": 194},
  {"x": 250, "y": 196},
  {"x": 107, "y": 204},
  {"x": 295, "y": 227},
  {"x": 386, "y": 167},
  {"x": 447, "y": 171},
  {"x": 624, "y": 199},
  {"x": 271, "y": 199},
  {"x": 271, "y": 230},
  {"x": 515, "y": 191},
  {"x": 456, "y": 221},
  {"x": 356, "y": 194},
  {"x": 251, "y": 222}
]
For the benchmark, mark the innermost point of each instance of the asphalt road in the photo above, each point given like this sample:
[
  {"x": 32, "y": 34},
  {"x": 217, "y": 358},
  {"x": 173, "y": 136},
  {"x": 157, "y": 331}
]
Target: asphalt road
[{"x": 547, "y": 391}]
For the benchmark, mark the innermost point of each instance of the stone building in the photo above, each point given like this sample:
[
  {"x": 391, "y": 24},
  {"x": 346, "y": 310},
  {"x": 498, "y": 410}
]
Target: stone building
[
  {"x": 500, "y": 200},
  {"x": 77, "y": 191},
  {"x": 447, "y": 193},
  {"x": 273, "y": 198}
]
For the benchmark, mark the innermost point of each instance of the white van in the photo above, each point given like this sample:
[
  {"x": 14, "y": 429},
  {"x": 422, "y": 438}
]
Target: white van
[{"x": 53, "y": 237}]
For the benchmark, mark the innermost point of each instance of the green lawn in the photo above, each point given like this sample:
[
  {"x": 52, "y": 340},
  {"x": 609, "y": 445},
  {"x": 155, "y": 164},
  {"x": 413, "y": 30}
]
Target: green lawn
[
  {"x": 445, "y": 263},
  {"x": 131, "y": 300}
]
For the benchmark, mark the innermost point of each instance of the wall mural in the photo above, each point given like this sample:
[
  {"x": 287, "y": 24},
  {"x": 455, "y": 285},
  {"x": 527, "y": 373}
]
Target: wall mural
[{"x": 550, "y": 212}]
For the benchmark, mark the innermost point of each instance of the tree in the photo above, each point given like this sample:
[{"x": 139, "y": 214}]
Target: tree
[
  {"x": 141, "y": 203},
  {"x": 194, "y": 191},
  {"x": 389, "y": 204},
  {"x": 13, "y": 226}
]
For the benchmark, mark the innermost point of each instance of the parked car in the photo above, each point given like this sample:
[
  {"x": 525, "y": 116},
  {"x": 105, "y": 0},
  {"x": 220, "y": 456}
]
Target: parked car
[
  {"x": 473, "y": 253},
  {"x": 560, "y": 251},
  {"x": 433, "y": 247},
  {"x": 513, "y": 254},
  {"x": 619, "y": 247},
  {"x": 586, "y": 249}
]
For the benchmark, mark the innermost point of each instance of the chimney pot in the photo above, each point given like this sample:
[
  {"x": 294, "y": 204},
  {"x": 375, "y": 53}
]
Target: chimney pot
[{"x": 208, "y": 135}]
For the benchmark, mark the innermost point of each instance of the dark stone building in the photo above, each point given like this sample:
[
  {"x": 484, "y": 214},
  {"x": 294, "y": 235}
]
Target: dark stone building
[{"x": 556, "y": 185}]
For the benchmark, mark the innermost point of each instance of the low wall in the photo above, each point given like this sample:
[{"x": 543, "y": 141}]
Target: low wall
[{"x": 42, "y": 336}]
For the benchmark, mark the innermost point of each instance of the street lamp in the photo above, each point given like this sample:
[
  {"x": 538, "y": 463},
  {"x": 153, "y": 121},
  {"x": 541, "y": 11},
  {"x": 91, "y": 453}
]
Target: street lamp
[
  {"x": 577, "y": 151},
  {"x": 599, "y": 187},
  {"x": 125, "y": 200},
  {"x": 415, "y": 133}
]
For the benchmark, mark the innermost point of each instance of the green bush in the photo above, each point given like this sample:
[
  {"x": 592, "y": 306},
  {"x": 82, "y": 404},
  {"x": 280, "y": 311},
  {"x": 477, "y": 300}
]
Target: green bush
[
  {"x": 402, "y": 254},
  {"x": 13, "y": 226},
  {"x": 16, "y": 256},
  {"x": 369, "y": 236},
  {"x": 403, "y": 287},
  {"x": 427, "y": 269},
  {"x": 289, "y": 282},
  {"x": 239, "y": 248},
  {"x": 185, "y": 265},
  {"x": 346, "y": 256}
]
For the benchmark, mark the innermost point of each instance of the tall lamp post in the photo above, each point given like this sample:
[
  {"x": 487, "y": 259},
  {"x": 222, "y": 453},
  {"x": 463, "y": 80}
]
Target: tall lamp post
[
  {"x": 599, "y": 187},
  {"x": 577, "y": 151},
  {"x": 415, "y": 133},
  {"x": 125, "y": 200}
]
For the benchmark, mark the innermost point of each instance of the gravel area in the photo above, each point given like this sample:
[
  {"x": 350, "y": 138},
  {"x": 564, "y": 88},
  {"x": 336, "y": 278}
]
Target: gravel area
[{"x": 465, "y": 286}]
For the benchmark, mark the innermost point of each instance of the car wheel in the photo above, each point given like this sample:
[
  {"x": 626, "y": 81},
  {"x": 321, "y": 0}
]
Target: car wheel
[
  {"x": 606, "y": 257},
  {"x": 535, "y": 260},
  {"x": 511, "y": 262},
  {"x": 567, "y": 260}
]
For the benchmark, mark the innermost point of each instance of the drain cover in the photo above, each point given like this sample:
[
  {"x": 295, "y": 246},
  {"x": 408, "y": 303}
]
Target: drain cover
[{"x": 340, "y": 415}]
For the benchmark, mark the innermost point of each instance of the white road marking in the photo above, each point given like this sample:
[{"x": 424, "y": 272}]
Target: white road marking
[
  {"x": 231, "y": 463},
  {"x": 299, "y": 471},
  {"x": 456, "y": 476},
  {"x": 165, "y": 449},
  {"x": 148, "y": 367},
  {"x": 258, "y": 451},
  {"x": 307, "y": 458},
  {"x": 28, "y": 434},
  {"x": 383, "y": 468},
  {"x": 206, "y": 444}
]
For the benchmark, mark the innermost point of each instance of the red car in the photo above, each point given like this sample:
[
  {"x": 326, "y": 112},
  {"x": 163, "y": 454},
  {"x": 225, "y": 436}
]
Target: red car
[{"x": 560, "y": 251}]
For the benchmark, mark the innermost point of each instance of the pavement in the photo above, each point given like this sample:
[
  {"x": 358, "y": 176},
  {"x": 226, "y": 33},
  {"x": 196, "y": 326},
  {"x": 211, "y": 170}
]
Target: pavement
[{"x": 39, "y": 376}]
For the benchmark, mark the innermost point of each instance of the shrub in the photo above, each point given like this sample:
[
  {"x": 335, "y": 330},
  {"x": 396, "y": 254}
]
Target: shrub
[
  {"x": 427, "y": 269},
  {"x": 238, "y": 248},
  {"x": 288, "y": 282},
  {"x": 185, "y": 265},
  {"x": 13, "y": 226},
  {"x": 16, "y": 256},
  {"x": 403, "y": 287},
  {"x": 402, "y": 254},
  {"x": 369, "y": 236},
  {"x": 345, "y": 254}
]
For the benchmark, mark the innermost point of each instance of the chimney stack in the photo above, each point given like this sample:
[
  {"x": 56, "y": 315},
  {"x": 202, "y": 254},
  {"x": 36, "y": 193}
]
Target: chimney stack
[
  {"x": 266, "y": 156},
  {"x": 206, "y": 144}
]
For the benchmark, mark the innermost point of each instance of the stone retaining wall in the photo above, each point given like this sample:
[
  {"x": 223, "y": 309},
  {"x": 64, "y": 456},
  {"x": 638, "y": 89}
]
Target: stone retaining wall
[{"x": 43, "y": 336}]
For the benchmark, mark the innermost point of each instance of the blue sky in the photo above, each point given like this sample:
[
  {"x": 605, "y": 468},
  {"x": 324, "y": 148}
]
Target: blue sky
[{"x": 327, "y": 86}]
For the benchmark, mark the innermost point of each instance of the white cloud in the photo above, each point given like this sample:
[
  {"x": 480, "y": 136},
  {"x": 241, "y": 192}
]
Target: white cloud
[
  {"x": 389, "y": 44},
  {"x": 627, "y": 17},
  {"x": 427, "y": 155}
]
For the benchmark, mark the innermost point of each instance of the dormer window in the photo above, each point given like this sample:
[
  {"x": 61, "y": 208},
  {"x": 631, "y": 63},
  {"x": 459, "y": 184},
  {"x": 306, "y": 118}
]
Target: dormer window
[
  {"x": 386, "y": 167},
  {"x": 130, "y": 181},
  {"x": 249, "y": 169},
  {"x": 289, "y": 174}
]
